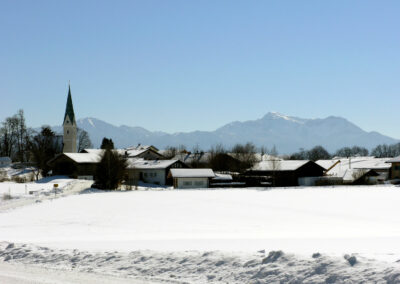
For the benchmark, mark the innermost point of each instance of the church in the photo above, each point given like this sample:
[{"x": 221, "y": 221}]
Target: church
[{"x": 145, "y": 163}]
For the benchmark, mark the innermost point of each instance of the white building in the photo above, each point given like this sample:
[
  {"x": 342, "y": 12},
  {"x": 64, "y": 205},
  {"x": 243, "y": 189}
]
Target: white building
[
  {"x": 151, "y": 171},
  {"x": 191, "y": 178}
]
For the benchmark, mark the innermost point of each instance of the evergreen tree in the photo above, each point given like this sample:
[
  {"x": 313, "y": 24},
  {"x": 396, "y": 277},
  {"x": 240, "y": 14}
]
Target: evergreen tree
[
  {"x": 111, "y": 170},
  {"x": 44, "y": 146},
  {"x": 107, "y": 143}
]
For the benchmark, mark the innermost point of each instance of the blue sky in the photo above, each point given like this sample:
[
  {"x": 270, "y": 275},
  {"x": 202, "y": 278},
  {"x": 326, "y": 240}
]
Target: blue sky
[{"x": 196, "y": 65}]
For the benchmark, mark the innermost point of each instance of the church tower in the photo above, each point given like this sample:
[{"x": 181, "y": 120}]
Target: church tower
[{"x": 70, "y": 129}]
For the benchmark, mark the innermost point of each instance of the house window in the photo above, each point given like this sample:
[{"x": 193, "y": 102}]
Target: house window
[
  {"x": 145, "y": 174},
  {"x": 187, "y": 183},
  {"x": 198, "y": 183},
  {"x": 67, "y": 131},
  {"x": 397, "y": 168}
]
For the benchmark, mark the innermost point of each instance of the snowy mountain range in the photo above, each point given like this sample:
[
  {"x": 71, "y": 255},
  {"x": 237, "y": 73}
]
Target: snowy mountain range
[{"x": 287, "y": 133}]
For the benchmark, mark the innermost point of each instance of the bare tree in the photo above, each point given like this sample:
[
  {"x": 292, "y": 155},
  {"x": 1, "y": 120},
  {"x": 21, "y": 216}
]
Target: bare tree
[
  {"x": 83, "y": 140},
  {"x": 245, "y": 154},
  {"x": 274, "y": 163},
  {"x": 263, "y": 151},
  {"x": 170, "y": 152},
  {"x": 15, "y": 137},
  {"x": 8, "y": 136}
]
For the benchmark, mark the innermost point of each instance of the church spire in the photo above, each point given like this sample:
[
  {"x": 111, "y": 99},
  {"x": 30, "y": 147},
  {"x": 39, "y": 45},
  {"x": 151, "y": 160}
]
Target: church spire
[
  {"x": 69, "y": 125},
  {"x": 69, "y": 110}
]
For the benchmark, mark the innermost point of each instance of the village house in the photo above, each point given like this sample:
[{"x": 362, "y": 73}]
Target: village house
[
  {"x": 191, "y": 178},
  {"x": 151, "y": 171},
  {"x": 285, "y": 172},
  {"x": 78, "y": 165}
]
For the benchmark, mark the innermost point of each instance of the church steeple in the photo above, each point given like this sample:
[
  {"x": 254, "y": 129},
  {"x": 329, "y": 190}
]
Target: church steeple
[
  {"x": 69, "y": 110},
  {"x": 69, "y": 125}
]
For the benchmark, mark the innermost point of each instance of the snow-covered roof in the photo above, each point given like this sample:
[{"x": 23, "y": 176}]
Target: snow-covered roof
[
  {"x": 134, "y": 163},
  {"x": 355, "y": 163},
  {"x": 134, "y": 152},
  {"x": 192, "y": 173},
  {"x": 279, "y": 165},
  {"x": 93, "y": 151},
  {"x": 222, "y": 177},
  {"x": 394, "y": 160},
  {"x": 142, "y": 147},
  {"x": 84, "y": 157},
  {"x": 130, "y": 151},
  {"x": 351, "y": 175}
]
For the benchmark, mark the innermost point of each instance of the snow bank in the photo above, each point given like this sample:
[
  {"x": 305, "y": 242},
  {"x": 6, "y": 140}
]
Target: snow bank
[
  {"x": 209, "y": 267},
  {"x": 44, "y": 185},
  {"x": 13, "y": 195}
]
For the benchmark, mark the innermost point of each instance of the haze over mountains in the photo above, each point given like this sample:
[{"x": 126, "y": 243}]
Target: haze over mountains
[{"x": 287, "y": 133}]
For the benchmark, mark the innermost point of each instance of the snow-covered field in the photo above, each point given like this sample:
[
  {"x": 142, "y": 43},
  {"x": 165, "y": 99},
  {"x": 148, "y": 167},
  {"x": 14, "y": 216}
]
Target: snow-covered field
[{"x": 243, "y": 225}]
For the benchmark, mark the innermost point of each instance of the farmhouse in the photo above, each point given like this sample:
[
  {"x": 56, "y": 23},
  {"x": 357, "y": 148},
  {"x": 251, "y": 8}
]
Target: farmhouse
[
  {"x": 395, "y": 168},
  {"x": 191, "y": 178},
  {"x": 80, "y": 165},
  {"x": 286, "y": 172},
  {"x": 151, "y": 171}
]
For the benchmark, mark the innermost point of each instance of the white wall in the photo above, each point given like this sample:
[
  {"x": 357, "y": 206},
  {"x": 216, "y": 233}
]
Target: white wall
[{"x": 192, "y": 182}]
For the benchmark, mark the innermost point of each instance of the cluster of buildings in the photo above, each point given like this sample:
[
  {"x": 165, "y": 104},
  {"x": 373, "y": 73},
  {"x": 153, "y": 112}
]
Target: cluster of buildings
[{"x": 148, "y": 164}]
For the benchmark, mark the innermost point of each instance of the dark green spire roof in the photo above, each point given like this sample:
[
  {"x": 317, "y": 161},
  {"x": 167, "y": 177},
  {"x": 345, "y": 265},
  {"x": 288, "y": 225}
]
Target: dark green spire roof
[{"x": 70, "y": 108}]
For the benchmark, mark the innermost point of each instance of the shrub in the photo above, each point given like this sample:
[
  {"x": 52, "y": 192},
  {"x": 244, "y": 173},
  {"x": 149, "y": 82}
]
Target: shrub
[
  {"x": 6, "y": 196},
  {"x": 19, "y": 179},
  {"x": 3, "y": 176}
]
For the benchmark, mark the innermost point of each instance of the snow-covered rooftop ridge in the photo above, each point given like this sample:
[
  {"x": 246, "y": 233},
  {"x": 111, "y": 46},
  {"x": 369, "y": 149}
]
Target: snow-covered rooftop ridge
[
  {"x": 134, "y": 163},
  {"x": 223, "y": 177},
  {"x": 132, "y": 151},
  {"x": 368, "y": 162},
  {"x": 192, "y": 173},
  {"x": 394, "y": 160},
  {"x": 279, "y": 165},
  {"x": 141, "y": 147},
  {"x": 93, "y": 157}
]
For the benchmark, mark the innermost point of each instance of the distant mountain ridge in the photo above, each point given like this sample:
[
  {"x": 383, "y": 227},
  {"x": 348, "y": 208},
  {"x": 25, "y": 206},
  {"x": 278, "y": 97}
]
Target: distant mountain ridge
[{"x": 287, "y": 133}]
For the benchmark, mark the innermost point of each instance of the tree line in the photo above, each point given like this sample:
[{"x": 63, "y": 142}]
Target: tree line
[{"x": 320, "y": 153}]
